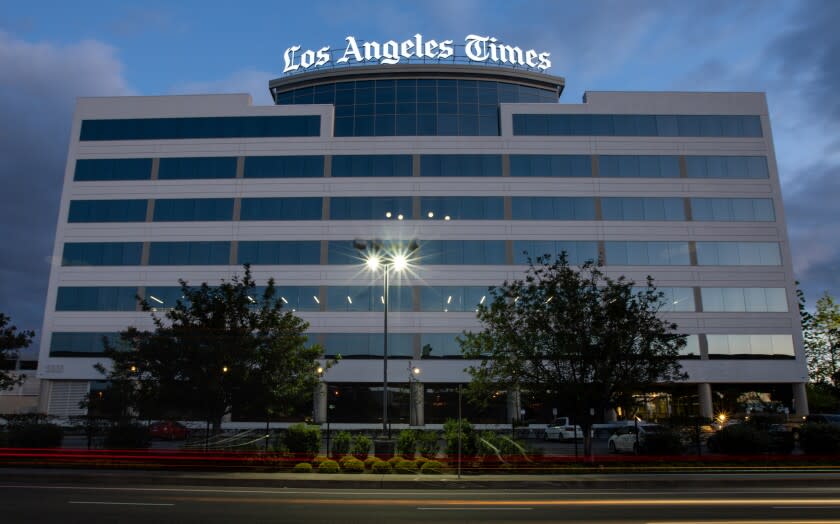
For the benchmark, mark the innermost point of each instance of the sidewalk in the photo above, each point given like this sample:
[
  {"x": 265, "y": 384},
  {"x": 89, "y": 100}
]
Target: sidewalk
[{"x": 732, "y": 479}]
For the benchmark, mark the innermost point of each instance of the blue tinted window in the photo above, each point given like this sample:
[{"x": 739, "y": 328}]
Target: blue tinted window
[
  {"x": 752, "y": 167},
  {"x": 627, "y": 166},
  {"x": 639, "y": 208},
  {"x": 303, "y": 208},
  {"x": 113, "y": 169},
  {"x": 733, "y": 209},
  {"x": 461, "y": 165},
  {"x": 744, "y": 299},
  {"x": 102, "y": 254},
  {"x": 636, "y": 125},
  {"x": 371, "y": 165},
  {"x": 750, "y": 346},
  {"x": 189, "y": 209},
  {"x": 679, "y": 299},
  {"x": 277, "y": 252},
  {"x": 189, "y": 253},
  {"x": 577, "y": 251},
  {"x": 96, "y": 299},
  {"x": 553, "y": 208},
  {"x": 343, "y": 252},
  {"x": 638, "y": 253},
  {"x": 107, "y": 211},
  {"x": 465, "y": 208},
  {"x": 284, "y": 167},
  {"x": 551, "y": 165},
  {"x": 81, "y": 344},
  {"x": 370, "y": 208},
  {"x": 454, "y": 252},
  {"x": 367, "y": 298},
  {"x": 196, "y": 168},
  {"x": 440, "y": 345},
  {"x": 738, "y": 254},
  {"x": 299, "y": 298},
  {"x": 200, "y": 127},
  {"x": 452, "y": 298},
  {"x": 163, "y": 297},
  {"x": 359, "y": 345}
]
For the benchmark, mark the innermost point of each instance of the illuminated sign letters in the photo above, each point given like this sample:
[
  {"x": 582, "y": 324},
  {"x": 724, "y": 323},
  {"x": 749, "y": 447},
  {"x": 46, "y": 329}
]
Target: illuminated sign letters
[{"x": 477, "y": 48}]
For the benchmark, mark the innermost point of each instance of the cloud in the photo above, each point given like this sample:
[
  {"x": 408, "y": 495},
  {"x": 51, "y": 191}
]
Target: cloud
[
  {"x": 248, "y": 81},
  {"x": 38, "y": 88}
]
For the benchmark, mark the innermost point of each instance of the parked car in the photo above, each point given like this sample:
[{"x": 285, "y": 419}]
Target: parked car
[
  {"x": 624, "y": 440},
  {"x": 168, "y": 430},
  {"x": 562, "y": 429}
]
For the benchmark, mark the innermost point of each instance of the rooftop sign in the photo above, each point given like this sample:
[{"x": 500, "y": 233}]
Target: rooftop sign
[{"x": 476, "y": 49}]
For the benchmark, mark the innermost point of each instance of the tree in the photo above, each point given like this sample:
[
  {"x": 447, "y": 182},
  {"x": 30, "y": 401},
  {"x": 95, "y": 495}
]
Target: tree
[
  {"x": 572, "y": 336},
  {"x": 821, "y": 332},
  {"x": 11, "y": 340},
  {"x": 219, "y": 346}
]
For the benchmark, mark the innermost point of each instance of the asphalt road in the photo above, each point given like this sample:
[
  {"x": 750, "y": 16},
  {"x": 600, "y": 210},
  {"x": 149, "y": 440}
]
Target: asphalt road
[{"x": 33, "y": 500}]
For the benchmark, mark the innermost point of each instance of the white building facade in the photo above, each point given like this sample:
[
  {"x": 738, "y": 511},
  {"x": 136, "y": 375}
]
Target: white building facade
[{"x": 475, "y": 164}]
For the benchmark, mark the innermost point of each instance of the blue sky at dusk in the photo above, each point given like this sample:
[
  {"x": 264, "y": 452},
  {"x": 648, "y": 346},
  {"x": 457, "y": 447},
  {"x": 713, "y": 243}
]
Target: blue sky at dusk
[{"x": 53, "y": 52}]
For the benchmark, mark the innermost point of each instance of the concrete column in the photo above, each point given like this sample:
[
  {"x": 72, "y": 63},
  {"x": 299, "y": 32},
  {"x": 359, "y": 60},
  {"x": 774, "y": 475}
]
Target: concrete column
[
  {"x": 513, "y": 406},
  {"x": 319, "y": 408},
  {"x": 416, "y": 417},
  {"x": 610, "y": 415},
  {"x": 800, "y": 399},
  {"x": 704, "y": 395}
]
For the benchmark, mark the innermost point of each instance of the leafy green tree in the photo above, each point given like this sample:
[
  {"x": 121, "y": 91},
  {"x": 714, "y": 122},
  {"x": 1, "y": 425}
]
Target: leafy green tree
[
  {"x": 572, "y": 336},
  {"x": 11, "y": 340},
  {"x": 217, "y": 347},
  {"x": 821, "y": 332}
]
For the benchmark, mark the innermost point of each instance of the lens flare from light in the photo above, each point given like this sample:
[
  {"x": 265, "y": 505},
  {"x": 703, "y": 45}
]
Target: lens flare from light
[
  {"x": 400, "y": 262},
  {"x": 372, "y": 262}
]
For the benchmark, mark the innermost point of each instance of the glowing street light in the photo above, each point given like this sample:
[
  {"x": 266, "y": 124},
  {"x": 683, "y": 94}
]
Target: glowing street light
[{"x": 397, "y": 261}]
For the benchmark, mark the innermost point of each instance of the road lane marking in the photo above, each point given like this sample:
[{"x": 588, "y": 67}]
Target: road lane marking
[
  {"x": 102, "y": 503},
  {"x": 474, "y": 509}
]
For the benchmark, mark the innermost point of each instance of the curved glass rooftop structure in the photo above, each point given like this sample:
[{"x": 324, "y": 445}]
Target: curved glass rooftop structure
[{"x": 417, "y": 100}]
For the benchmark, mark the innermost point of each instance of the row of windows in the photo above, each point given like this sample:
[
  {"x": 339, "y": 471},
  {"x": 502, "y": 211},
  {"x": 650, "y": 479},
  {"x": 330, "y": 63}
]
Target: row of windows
[
  {"x": 637, "y": 125},
  {"x": 401, "y": 298},
  {"x": 416, "y": 107},
  {"x": 441, "y": 345},
  {"x": 608, "y": 166},
  {"x": 441, "y": 208},
  {"x": 200, "y": 127},
  {"x": 431, "y": 252}
]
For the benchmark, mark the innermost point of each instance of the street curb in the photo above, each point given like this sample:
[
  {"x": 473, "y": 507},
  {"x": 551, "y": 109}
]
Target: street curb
[{"x": 89, "y": 478}]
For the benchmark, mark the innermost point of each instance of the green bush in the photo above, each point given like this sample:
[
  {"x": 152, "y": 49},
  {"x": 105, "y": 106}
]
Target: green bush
[
  {"x": 420, "y": 461},
  {"x": 361, "y": 446},
  {"x": 127, "y": 436},
  {"x": 405, "y": 466},
  {"x": 328, "y": 466},
  {"x": 303, "y": 440},
  {"x": 666, "y": 442},
  {"x": 393, "y": 461},
  {"x": 370, "y": 461},
  {"x": 407, "y": 443},
  {"x": 345, "y": 458},
  {"x": 316, "y": 461},
  {"x": 431, "y": 467},
  {"x": 469, "y": 438},
  {"x": 428, "y": 443},
  {"x": 341, "y": 444},
  {"x": 741, "y": 439},
  {"x": 819, "y": 439},
  {"x": 381, "y": 467},
  {"x": 35, "y": 436},
  {"x": 352, "y": 465},
  {"x": 303, "y": 467}
]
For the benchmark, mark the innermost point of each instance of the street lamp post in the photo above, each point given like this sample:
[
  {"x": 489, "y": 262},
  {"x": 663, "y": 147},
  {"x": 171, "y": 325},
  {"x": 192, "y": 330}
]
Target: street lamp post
[
  {"x": 398, "y": 260},
  {"x": 413, "y": 418}
]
